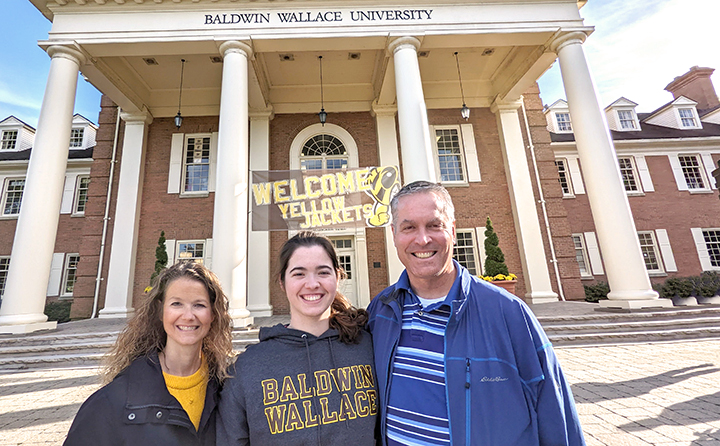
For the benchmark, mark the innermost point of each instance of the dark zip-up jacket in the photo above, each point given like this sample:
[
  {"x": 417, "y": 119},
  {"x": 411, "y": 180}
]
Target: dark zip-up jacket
[
  {"x": 136, "y": 409},
  {"x": 504, "y": 385},
  {"x": 297, "y": 389}
]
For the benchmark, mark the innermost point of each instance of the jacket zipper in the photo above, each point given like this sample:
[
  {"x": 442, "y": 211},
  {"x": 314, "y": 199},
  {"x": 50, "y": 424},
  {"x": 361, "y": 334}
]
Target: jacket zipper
[{"x": 467, "y": 401}]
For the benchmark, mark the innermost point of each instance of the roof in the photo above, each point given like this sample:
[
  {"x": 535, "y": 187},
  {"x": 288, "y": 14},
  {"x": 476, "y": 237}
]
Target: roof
[
  {"x": 25, "y": 154},
  {"x": 650, "y": 131}
]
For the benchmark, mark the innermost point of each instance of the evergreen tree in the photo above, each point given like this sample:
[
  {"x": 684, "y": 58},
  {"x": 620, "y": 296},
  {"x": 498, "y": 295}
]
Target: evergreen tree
[
  {"x": 494, "y": 257},
  {"x": 161, "y": 257}
]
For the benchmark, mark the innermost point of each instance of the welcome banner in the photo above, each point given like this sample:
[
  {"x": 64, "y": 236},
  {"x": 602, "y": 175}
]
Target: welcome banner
[{"x": 322, "y": 199}]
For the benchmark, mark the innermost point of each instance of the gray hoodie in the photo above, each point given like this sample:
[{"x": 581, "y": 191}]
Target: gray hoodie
[{"x": 294, "y": 388}]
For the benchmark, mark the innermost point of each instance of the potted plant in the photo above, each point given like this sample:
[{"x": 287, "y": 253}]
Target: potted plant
[{"x": 496, "y": 271}]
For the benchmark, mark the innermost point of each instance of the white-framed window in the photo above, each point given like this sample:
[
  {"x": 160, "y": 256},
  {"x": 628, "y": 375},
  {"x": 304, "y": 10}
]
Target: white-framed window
[
  {"x": 12, "y": 196},
  {"x": 629, "y": 174},
  {"x": 563, "y": 122},
  {"x": 322, "y": 152},
  {"x": 196, "y": 164},
  {"x": 627, "y": 120},
  {"x": 190, "y": 250},
  {"x": 712, "y": 244},
  {"x": 81, "y": 194},
  {"x": 687, "y": 117},
  {"x": 4, "y": 266},
  {"x": 692, "y": 170},
  {"x": 465, "y": 251},
  {"x": 449, "y": 153},
  {"x": 564, "y": 177},
  {"x": 581, "y": 255},
  {"x": 344, "y": 258},
  {"x": 76, "y": 137},
  {"x": 9, "y": 140},
  {"x": 650, "y": 251},
  {"x": 69, "y": 274}
]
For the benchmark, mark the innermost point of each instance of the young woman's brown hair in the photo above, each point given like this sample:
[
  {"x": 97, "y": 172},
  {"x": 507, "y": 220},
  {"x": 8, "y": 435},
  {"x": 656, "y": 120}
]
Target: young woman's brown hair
[
  {"x": 344, "y": 318},
  {"x": 145, "y": 333}
]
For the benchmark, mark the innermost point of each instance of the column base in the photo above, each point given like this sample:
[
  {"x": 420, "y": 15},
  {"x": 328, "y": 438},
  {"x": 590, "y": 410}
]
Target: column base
[
  {"x": 116, "y": 313},
  {"x": 242, "y": 322},
  {"x": 260, "y": 310},
  {"x": 540, "y": 297},
  {"x": 27, "y": 328},
  {"x": 636, "y": 304}
]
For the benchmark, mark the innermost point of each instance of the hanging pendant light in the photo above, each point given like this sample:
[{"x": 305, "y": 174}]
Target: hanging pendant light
[
  {"x": 178, "y": 117},
  {"x": 465, "y": 111},
  {"x": 323, "y": 114}
]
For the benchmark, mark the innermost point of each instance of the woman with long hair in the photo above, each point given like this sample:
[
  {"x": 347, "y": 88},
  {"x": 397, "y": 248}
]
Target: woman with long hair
[
  {"x": 312, "y": 381},
  {"x": 163, "y": 375}
]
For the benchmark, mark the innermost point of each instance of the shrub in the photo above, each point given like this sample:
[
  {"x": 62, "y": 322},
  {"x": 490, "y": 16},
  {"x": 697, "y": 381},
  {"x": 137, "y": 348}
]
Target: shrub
[
  {"x": 597, "y": 292},
  {"x": 161, "y": 258},
  {"x": 494, "y": 257},
  {"x": 58, "y": 311}
]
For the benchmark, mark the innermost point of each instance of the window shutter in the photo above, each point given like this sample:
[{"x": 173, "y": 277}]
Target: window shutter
[
  {"x": 56, "y": 273},
  {"x": 208, "y": 253},
  {"x": 575, "y": 176},
  {"x": 644, "y": 173},
  {"x": 677, "y": 172},
  {"x": 175, "y": 171},
  {"x": 701, "y": 248},
  {"x": 68, "y": 194},
  {"x": 213, "y": 161},
  {"x": 480, "y": 237},
  {"x": 471, "y": 157},
  {"x": 170, "y": 248},
  {"x": 709, "y": 167},
  {"x": 665, "y": 250},
  {"x": 594, "y": 254}
]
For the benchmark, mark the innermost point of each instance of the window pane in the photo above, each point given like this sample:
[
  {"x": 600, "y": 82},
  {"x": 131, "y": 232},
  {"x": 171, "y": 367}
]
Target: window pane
[
  {"x": 76, "y": 137},
  {"x": 13, "y": 196},
  {"x": 563, "y": 122},
  {"x": 71, "y": 274},
  {"x": 82, "y": 194},
  {"x": 563, "y": 177},
  {"x": 323, "y": 152},
  {"x": 4, "y": 265},
  {"x": 647, "y": 246},
  {"x": 464, "y": 251},
  {"x": 712, "y": 243},
  {"x": 449, "y": 155},
  {"x": 687, "y": 117},
  {"x": 690, "y": 165},
  {"x": 627, "y": 119},
  {"x": 197, "y": 164},
  {"x": 581, "y": 255},
  {"x": 191, "y": 251},
  {"x": 628, "y": 174},
  {"x": 9, "y": 139}
]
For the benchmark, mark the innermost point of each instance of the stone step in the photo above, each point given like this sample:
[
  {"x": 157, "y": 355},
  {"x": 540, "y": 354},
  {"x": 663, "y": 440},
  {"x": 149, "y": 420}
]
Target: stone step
[
  {"x": 631, "y": 326},
  {"x": 668, "y": 335},
  {"x": 619, "y": 315}
]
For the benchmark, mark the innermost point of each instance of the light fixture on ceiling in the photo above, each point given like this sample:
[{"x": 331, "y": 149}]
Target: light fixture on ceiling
[
  {"x": 323, "y": 114},
  {"x": 465, "y": 111},
  {"x": 178, "y": 117}
]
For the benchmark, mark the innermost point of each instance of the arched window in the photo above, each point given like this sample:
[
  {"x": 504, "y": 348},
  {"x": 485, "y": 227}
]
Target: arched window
[{"x": 323, "y": 152}]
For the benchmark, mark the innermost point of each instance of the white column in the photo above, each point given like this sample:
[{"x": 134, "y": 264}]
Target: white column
[
  {"x": 230, "y": 221},
  {"x": 625, "y": 268},
  {"x": 32, "y": 252},
  {"x": 524, "y": 207},
  {"x": 121, "y": 271},
  {"x": 388, "y": 156},
  {"x": 259, "y": 241},
  {"x": 415, "y": 143}
]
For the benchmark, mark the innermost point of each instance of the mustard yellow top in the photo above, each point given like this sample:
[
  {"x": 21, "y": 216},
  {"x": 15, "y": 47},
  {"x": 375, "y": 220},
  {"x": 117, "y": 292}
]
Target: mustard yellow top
[{"x": 190, "y": 391}]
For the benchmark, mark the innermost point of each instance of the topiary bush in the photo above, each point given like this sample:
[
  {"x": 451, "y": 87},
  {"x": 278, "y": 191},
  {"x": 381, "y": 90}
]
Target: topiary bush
[
  {"x": 494, "y": 257},
  {"x": 597, "y": 292},
  {"x": 58, "y": 310}
]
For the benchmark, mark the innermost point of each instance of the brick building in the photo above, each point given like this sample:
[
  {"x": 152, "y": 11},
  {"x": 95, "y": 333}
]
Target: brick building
[
  {"x": 666, "y": 158},
  {"x": 254, "y": 76}
]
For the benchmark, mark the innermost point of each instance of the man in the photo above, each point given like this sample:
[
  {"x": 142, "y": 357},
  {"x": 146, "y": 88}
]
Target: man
[{"x": 460, "y": 361}]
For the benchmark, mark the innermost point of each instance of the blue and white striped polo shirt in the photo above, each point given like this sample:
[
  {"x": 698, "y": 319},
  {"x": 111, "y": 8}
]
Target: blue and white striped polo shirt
[{"x": 417, "y": 406}]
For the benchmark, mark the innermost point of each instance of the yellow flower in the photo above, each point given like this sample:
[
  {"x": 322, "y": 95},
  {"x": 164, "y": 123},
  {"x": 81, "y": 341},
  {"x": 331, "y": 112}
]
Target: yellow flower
[{"x": 148, "y": 289}]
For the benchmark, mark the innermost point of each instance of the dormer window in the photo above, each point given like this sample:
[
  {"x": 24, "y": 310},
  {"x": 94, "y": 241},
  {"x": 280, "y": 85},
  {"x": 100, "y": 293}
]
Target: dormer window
[
  {"x": 627, "y": 120},
  {"x": 76, "y": 137},
  {"x": 687, "y": 117},
  {"x": 563, "y": 122},
  {"x": 9, "y": 139}
]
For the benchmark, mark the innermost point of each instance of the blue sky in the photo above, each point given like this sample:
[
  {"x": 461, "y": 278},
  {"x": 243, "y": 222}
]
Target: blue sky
[{"x": 638, "y": 47}]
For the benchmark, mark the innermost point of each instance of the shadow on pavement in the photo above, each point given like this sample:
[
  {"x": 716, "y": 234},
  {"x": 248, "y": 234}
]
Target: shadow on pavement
[
  {"x": 21, "y": 419},
  {"x": 39, "y": 386}
]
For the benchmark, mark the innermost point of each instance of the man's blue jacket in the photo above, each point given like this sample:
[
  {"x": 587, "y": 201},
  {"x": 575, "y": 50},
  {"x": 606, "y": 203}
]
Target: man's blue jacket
[{"x": 504, "y": 385}]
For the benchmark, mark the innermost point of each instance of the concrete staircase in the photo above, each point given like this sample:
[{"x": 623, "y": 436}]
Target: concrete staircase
[{"x": 83, "y": 343}]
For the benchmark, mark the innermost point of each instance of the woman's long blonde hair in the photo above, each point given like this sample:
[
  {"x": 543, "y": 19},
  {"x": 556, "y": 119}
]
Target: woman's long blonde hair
[{"x": 145, "y": 334}]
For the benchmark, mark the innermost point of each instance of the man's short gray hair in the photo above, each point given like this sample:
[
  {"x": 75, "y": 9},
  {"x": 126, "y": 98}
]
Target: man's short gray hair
[{"x": 416, "y": 187}]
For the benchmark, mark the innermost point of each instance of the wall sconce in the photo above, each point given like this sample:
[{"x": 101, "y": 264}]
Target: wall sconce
[
  {"x": 465, "y": 111},
  {"x": 178, "y": 117},
  {"x": 323, "y": 114}
]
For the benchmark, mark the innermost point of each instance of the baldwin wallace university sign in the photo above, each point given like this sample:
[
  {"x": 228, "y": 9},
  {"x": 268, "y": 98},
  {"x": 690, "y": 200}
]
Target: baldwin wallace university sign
[{"x": 320, "y": 17}]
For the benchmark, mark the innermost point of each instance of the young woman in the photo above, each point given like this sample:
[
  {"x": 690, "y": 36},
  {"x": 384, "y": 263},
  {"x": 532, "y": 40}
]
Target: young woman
[
  {"x": 164, "y": 372},
  {"x": 311, "y": 382}
]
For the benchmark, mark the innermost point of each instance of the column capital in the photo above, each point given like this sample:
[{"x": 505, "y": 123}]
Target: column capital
[
  {"x": 404, "y": 42},
  {"x": 258, "y": 114},
  {"x": 571, "y": 38},
  {"x": 389, "y": 110},
  {"x": 67, "y": 52},
  {"x": 235, "y": 46},
  {"x": 143, "y": 117},
  {"x": 499, "y": 106}
]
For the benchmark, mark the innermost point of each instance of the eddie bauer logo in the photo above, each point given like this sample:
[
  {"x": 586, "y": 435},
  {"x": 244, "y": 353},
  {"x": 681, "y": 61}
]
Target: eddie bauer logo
[{"x": 496, "y": 379}]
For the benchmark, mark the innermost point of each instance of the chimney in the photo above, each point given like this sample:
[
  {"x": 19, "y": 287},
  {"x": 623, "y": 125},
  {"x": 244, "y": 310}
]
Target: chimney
[{"x": 696, "y": 85}]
